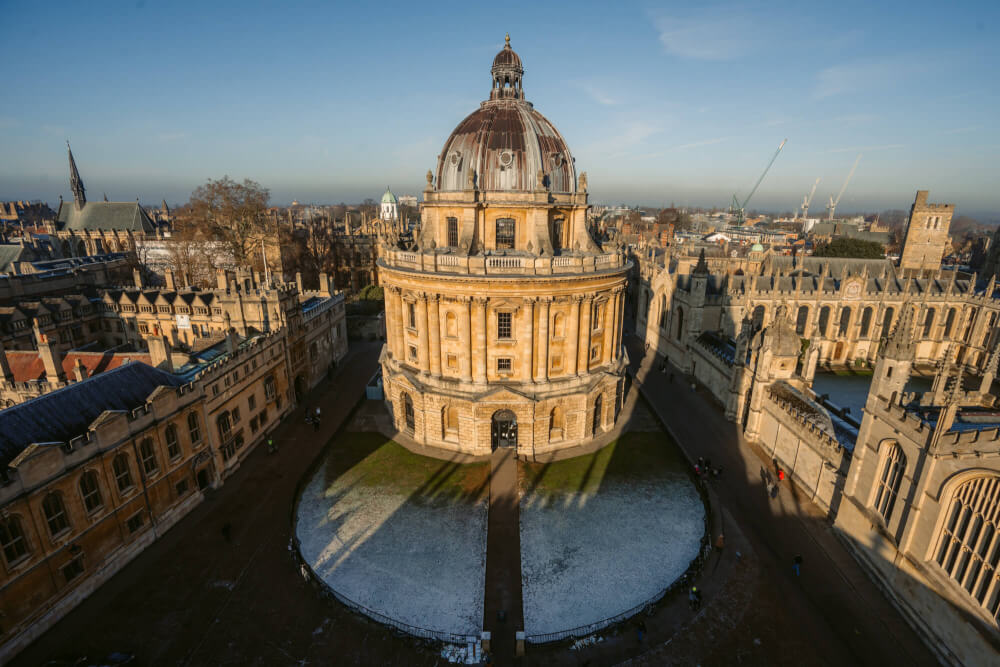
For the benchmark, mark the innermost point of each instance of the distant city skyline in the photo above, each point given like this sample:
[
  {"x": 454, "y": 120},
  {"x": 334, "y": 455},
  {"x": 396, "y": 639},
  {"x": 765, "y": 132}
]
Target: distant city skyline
[{"x": 657, "y": 104}]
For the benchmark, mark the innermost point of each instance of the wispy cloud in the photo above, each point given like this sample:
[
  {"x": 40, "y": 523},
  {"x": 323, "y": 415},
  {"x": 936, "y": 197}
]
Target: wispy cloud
[
  {"x": 851, "y": 78},
  {"x": 696, "y": 144},
  {"x": 866, "y": 149},
  {"x": 598, "y": 94},
  {"x": 707, "y": 37},
  {"x": 962, "y": 130}
]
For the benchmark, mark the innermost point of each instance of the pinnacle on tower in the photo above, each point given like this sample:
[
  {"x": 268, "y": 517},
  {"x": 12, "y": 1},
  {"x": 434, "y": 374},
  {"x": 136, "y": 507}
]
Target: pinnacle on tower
[
  {"x": 75, "y": 182},
  {"x": 701, "y": 268},
  {"x": 899, "y": 345}
]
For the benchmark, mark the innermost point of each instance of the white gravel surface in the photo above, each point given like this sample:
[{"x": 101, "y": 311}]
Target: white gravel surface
[
  {"x": 588, "y": 557},
  {"x": 423, "y": 565}
]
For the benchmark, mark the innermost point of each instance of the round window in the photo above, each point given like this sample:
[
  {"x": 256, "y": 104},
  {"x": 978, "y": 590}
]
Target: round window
[{"x": 506, "y": 158}]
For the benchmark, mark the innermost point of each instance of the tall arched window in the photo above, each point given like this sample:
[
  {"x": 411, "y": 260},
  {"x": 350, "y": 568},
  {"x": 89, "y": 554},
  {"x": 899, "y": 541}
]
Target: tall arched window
[
  {"x": 800, "y": 320},
  {"x": 928, "y": 323},
  {"x": 866, "y": 321},
  {"x": 598, "y": 405},
  {"x": 680, "y": 322},
  {"x": 663, "y": 311},
  {"x": 557, "y": 423},
  {"x": 887, "y": 321},
  {"x": 890, "y": 476},
  {"x": 90, "y": 490},
  {"x": 55, "y": 514},
  {"x": 949, "y": 323},
  {"x": 173, "y": 444},
  {"x": 845, "y": 322},
  {"x": 824, "y": 320},
  {"x": 194, "y": 428},
  {"x": 147, "y": 452},
  {"x": 408, "y": 417},
  {"x": 558, "y": 325},
  {"x": 968, "y": 548},
  {"x": 12, "y": 540},
  {"x": 123, "y": 474},
  {"x": 453, "y": 232},
  {"x": 758, "y": 318}
]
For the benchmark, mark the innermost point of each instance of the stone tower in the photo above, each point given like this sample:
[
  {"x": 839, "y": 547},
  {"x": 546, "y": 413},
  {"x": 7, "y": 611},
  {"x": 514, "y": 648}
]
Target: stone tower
[
  {"x": 892, "y": 371},
  {"x": 926, "y": 236}
]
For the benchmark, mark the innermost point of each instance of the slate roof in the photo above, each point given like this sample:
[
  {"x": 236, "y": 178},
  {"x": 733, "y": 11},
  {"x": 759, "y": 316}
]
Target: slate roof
[
  {"x": 66, "y": 413},
  {"x": 102, "y": 215},
  {"x": 10, "y": 253}
]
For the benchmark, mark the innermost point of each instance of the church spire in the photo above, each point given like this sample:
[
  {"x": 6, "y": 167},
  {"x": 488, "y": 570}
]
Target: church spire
[{"x": 75, "y": 182}]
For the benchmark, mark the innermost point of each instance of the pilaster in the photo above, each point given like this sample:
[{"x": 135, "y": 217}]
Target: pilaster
[
  {"x": 583, "y": 352},
  {"x": 527, "y": 352},
  {"x": 434, "y": 331},
  {"x": 542, "y": 375}
]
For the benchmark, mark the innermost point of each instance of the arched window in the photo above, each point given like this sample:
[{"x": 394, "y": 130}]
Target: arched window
[
  {"x": 824, "y": 320},
  {"x": 663, "y": 311},
  {"x": 505, "y": 234},
  {"x": 970, "y": 324},
  {"x": 408, "y": 417},
  {"x": 557, "y": 233},
  {"x": 949, "y": 323},
  {"x": 557, "y": 423},
  {"x": 81, "y": 249},
  {"x": 988, "y": 333},
  {"x": 90, "y": 490},
  {"x": 225, "y": 427},
  {"x": 928, "y": 322},
  {"x": 558, "y": 326},
  {"x": 123, "y": 474},
  {"x": 12, "y": 540},
  {"x": 598, "y": 405},
  {"x": 55, "y": 514},
  {"x": 866, "y": 321},
  {"x": 173, "y": 445},
  {"x": 449, "y": 421},
  {"x": 194, "y": 428},
  {"x": 147, "y": 453},
  {"x": 968, "y": 548},
  {"x": 887, "y": 321},
  {"x": 800, "y": 320},
  {"x": 757, "y": 319},
  {"x": 845, "y": 321},
  {"x": 680, "y": 322},
  {"x": 453, "y": 232},
  {"x": 890, "y": 476},
  {"x": 451, "y": 324}
]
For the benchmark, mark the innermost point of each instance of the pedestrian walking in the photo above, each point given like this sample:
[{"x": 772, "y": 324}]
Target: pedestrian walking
[
  {"x": 701, "y": 461},
  {"x": 720, "y": 542},
  {"x": 694, "y": 598},
  {"x": 797, "y": 564},
  {"x": 641, "y": 629},
  {"x": 271, "y": 449},
  {"x": 781, "y": 475}
]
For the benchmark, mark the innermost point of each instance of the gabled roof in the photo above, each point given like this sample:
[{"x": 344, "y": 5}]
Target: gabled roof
[
  {"x": 106, "y": 216},
  {"x": 27, "y": 366},
  {"x": 66, "y": 413}
]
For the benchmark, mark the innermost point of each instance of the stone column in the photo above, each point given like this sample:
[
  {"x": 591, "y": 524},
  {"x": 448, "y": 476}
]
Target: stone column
[
  {"x": 610, "y": 317},
  {"x": 478, "y": 339},
  {"x": 543, "y": 340},
  {"x": 422, "y": 333},
  {"x": 527, "y": 351},
  {"x": 434, "y": 331},
  {"x": 465, "y": 338},
  {"x": 399, "y": 306},
  {"x": 583, "y": 356},
  {"x": 573, "y": 335},
  {"x": 619, "y": 325}
]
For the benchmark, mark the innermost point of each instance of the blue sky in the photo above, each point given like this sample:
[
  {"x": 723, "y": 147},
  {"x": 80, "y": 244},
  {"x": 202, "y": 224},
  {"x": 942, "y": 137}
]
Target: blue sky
[{"x": 659, "y": 103}]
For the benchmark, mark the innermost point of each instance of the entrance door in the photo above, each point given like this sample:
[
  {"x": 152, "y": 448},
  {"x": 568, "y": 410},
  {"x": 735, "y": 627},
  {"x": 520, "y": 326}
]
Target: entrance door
[{"x": 504, "y": 429}]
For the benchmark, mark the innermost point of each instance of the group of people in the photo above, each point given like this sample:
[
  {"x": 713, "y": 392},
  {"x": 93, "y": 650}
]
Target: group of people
[
  {"x": 313, "y": 418},
  {"x": 703, "y": 468}
]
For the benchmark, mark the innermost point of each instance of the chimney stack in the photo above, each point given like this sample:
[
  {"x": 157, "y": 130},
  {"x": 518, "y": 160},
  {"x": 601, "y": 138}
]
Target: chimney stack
[
  {"x": 5, "y": 371},
  {"x": 168, "y": 276},
  {"x": 324, "y": 284},
  {"x": 159, "y": 351},
  {"x": 137, "y": 278},
  {"x": 298, "y": 280},
  {"x": 79, "y": 371},
  {"x": 51, "y": 359},
  {"x": 222, "y": 279}
]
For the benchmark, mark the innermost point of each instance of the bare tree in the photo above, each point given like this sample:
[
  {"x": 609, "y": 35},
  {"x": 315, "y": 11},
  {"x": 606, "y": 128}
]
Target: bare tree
[
  {"x": 235, "y": 214},
  {"x": 191, "y": 253}
]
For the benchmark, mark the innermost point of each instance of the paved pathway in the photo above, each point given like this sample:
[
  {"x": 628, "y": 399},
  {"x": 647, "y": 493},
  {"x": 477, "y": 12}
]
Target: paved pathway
[
  {"x": 835, "y": 607},
  {"x": 503, "y": 613}
]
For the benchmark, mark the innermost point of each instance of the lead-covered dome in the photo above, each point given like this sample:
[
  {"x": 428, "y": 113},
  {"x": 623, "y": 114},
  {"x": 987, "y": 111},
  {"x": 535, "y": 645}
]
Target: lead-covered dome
[{"x": 506, "y": 143}]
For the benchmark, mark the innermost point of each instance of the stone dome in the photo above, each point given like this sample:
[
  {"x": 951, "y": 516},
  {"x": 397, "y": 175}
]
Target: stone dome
[
  {"x": 388, "y": 197},
  {"x": 506, "y": 142}
]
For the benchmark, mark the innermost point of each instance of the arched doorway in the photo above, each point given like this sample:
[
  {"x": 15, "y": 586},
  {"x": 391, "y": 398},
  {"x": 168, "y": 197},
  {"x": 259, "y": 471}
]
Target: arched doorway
[
  {"x": 598, "y": 404},
  {"x": 504, "y": 431}
]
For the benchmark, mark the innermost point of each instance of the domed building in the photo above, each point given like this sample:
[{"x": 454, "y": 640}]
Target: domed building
[
  {"x": 389, "y": 207},
  {"x": 504, "y": 317}
]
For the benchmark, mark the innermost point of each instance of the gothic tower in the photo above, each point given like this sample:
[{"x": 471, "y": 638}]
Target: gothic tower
[
  {"x": 75, "y": 182},
  {"x": 926, "y": 236}
]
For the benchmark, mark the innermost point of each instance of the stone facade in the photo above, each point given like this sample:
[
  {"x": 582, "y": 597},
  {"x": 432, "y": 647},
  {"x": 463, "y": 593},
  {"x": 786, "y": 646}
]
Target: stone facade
[
  {"x": 926, "y": 240},
  {"x": 504, "y": 318}
]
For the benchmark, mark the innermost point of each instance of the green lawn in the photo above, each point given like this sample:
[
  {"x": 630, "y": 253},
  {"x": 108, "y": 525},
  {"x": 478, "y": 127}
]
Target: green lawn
[
  {"x": 369, "y": 459},
  {"x": 634, "y": 456}
]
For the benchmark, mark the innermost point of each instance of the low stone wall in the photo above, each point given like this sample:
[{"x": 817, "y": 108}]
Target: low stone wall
[{"x": 810, "y": 457}]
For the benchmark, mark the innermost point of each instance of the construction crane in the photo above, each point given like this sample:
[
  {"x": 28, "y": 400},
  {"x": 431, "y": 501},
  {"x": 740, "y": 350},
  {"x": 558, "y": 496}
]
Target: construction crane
[
  {"x": 740, "y": 208},
  {"x": 832, "y": 206},
  {"x": 807, "y": 200}
]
